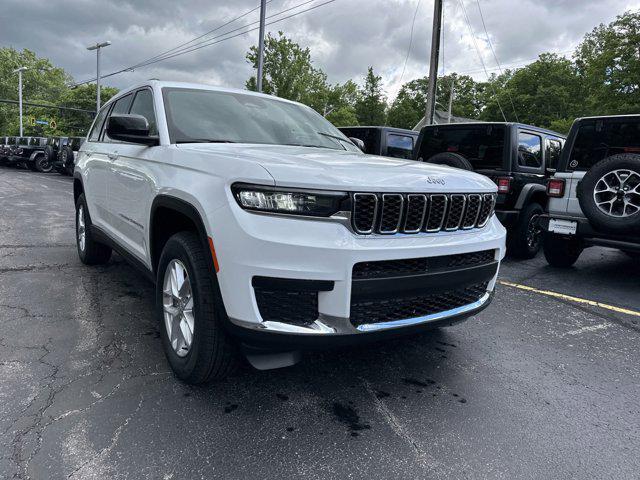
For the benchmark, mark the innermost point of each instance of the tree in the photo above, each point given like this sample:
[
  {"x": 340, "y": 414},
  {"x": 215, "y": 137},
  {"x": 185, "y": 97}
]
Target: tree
[
  {"x": 608, "y": 62},
  {"x": 371, "y": 105},
  {"x": 289, "y": 73},
  {"x": 82, "y": 96},
  {"x": 408, "y": 107},
  {"x": 41, "y": 83},
  {"x": 340, "y": 109}
]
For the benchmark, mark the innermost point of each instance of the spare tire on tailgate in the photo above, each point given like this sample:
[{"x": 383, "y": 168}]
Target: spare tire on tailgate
[
  {"x": 609, "y": 194},
  {"x": 451, "y": 159}
]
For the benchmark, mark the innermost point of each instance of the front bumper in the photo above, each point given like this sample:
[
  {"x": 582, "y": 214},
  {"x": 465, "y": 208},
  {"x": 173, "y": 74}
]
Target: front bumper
[{"x": 250, "y": 245}]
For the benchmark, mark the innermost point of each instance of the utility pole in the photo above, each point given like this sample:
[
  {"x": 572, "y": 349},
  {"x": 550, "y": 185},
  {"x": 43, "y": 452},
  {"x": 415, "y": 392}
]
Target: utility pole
[
  {"x": 19, "y": 72},
  {"x": 97, "y": 48},
  {"x": 263, "y": 8},
  {"x": 433, "y": 63},
  {"x": 453, "y": 87}
]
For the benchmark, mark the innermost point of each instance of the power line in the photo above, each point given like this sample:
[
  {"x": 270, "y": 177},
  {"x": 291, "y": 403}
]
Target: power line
[
  {"x": 219, "y": 38},
  {"x": 495, "y": 56},
  {"x": 484, "y": 67},
  {"x": 177, "y": 47},
  {"x": 406, "y": 59}
]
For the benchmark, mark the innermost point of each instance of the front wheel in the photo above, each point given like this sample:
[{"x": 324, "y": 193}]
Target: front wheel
[
  {"x": 526, "y": 240},
  {"x": 561, "y": 251},
  {"x": 191, "y": 313}
]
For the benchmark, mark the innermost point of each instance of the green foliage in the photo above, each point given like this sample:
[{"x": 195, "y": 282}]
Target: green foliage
[
  {"x": 44, "y": 84},
  {"x": 371, "y": 104},
  {"x": 289, "y": 73},
  {"x": 83, "y": 96},
  {"x": 608, "y": 62}
]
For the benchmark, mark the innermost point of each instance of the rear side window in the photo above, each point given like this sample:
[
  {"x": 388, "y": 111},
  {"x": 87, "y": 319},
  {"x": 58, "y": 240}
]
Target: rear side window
[
  {"x": 554, "y": 149},
  {"x": 94, "y": 135},
  {"x": 143, "y": 105},
  {"x": 399, "y": 146},
  {"x": 529, "y": 150},
  {"x": 482, "y": 145},
  {"x": 597, "y": 140}
]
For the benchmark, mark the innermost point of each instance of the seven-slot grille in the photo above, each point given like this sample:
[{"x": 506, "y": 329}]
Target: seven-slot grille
[{"x": 390, "y": 213}]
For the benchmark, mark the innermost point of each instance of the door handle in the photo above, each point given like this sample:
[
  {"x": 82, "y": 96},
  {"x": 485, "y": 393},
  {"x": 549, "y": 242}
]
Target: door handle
[{"x": 113, "y": 156}]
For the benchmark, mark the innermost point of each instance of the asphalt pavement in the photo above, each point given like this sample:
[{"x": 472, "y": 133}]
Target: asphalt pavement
[{"x": 535, "y": 387}]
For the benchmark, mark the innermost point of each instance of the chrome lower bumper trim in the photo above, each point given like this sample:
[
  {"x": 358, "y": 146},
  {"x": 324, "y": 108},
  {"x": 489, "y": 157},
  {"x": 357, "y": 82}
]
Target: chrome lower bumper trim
[
  {"x": 375, "y": 327},
  {"x": 326, "y": 325}
]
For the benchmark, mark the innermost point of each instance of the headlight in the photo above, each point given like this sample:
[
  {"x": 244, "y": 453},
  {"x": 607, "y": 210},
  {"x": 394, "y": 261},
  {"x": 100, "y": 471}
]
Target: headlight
[{"x": 292, "y": 201}]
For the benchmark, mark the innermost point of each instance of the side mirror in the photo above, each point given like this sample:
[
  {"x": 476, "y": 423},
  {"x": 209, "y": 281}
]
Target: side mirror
[
  {"x": 130, "y": 128},
  {"x": 359, "y": 143}
]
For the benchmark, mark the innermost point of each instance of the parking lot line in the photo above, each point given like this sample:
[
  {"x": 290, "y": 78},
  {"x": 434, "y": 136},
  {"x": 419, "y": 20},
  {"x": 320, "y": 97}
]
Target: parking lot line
[{"x": 562, "y": 296}]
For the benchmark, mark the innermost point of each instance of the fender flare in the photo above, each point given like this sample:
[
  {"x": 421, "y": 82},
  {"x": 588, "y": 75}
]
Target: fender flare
[
  {"x": 183, "y": 207},
  {"x": 527, "y": 192},
  {"x": 33, "y": 156}
]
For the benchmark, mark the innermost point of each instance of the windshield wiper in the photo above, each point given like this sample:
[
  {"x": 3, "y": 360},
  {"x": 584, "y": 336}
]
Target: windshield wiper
[
  {"x": 330, "y": 135},
  {"x": 204, "y": 140}
]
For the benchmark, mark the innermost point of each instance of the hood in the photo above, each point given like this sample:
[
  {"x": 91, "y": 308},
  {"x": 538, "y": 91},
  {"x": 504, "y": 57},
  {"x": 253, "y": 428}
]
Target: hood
[{"x": 327, "y": 169}]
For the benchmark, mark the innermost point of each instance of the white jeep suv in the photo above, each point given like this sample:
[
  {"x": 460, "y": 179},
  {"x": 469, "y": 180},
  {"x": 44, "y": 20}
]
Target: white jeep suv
[{"x": 268, "y": 232}]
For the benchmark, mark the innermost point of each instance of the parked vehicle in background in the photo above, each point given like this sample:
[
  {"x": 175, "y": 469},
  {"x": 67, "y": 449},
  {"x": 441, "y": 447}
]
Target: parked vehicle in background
[
  {"x": 66, "y": 154},
  {"x": 518, "y": 158},
  {"x": 7, "y": 144},
  {"x": 52, "y": 149},
  {"x": 30, "y": 153},
  {"x": 385, "y": 141},
  {"x": 594, "y": 197},
  {"x": 263, "y": 226}
]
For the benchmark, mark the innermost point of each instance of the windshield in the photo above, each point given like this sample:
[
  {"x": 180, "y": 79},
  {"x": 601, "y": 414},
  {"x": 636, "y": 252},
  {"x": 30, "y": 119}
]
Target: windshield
[
  {"x": 195, "y": 116},
  {"x": 482, "y": 145},
  {"x": 598, "y": 139}
]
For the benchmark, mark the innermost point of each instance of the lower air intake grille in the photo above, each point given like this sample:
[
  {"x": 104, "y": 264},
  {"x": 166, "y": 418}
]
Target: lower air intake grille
[
  {"x": 379, "y": 311},
  {"x": 294, "y": 307}
]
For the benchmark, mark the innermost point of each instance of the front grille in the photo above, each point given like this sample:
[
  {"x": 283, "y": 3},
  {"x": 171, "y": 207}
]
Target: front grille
[
  {"x": 420, "y": 266},
  {"x": 379, "y": 311},
  {"x": 391, "y": 213},
  {"x": 294, "y": 307}
]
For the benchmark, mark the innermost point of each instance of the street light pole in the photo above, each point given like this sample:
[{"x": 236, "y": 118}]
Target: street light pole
[
  {"x": 263, "y": 8},
  {"x": 97, "y": 48},
  {"x": 433, "y": 63},
  {"x": 19, "y": 72}
]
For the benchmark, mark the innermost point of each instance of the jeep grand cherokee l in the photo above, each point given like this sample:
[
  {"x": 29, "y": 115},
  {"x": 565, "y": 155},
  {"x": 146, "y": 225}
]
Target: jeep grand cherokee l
[{"x": 267, "y": 232}]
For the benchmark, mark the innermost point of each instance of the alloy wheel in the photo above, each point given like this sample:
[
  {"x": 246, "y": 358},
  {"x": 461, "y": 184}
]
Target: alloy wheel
[
  {"x": 82, "y": 233},
  {"x": 617, "y": 193},
  {"x": 177, "y": 302},
  {"x": 534, "y": 231}
]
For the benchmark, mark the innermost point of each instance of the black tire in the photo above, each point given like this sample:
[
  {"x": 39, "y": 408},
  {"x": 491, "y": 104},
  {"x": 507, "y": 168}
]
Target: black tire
[
  {"x": 561, "y": 251},
  {"x": 452, "y": 160},
  {"x": 93, "y": 252},
  {"x": 66, "y": 156},
  {"x": 526, "y": 238},
  {"x": 591, "y": 180},
  {"x": 212, "y": 354},
  {"x": 42, "y": 164},
  {"x": 31, "y": 166}
]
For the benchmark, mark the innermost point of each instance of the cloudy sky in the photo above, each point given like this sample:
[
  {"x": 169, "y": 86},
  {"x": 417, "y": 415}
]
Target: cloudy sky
[{"x": 345, "y": 36}]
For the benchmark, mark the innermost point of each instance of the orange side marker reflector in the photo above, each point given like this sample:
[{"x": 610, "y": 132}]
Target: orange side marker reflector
[{"x": 213, "y": 255}]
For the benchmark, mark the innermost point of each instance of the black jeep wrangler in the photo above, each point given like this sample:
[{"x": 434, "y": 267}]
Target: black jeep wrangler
[
  {"x": 385, "y": 141},
  {"x": 64, "y": 161},
  {"x": 518, "y": 157},
  {"x": 594, "y": 197},
  {"x": 30, "y": 153}
]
